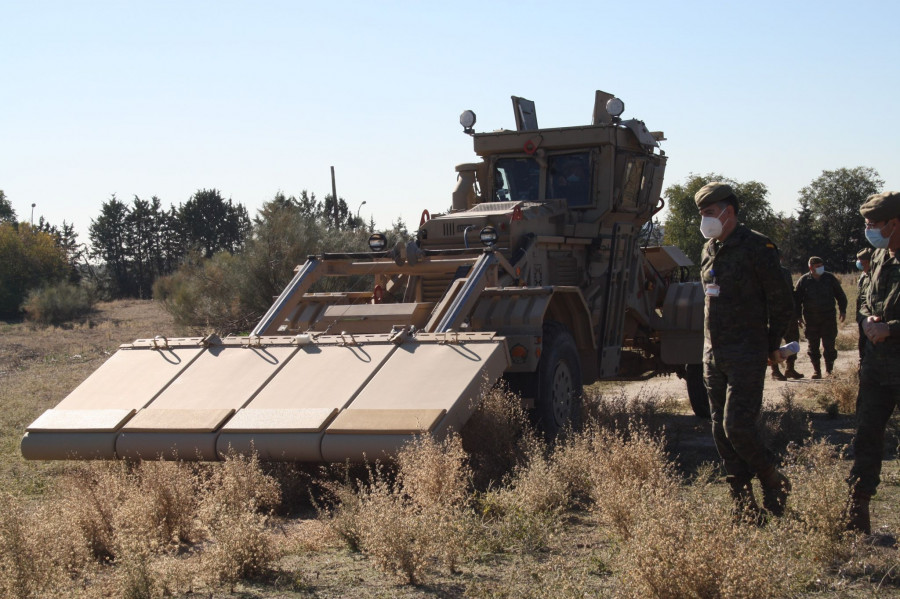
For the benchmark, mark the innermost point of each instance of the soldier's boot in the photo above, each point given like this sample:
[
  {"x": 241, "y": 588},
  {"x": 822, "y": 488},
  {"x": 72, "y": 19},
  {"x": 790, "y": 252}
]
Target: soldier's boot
[
  {"x": 817, "y": 369},
  {"x": 744, "y": 507},
  {"x": 858, "y": 512},
  {"x": 775, "y": 487},
  {"x": 776, "y": 373},
  {"x": 791, "y": 372},
  {"x": 829, "y": 366}
]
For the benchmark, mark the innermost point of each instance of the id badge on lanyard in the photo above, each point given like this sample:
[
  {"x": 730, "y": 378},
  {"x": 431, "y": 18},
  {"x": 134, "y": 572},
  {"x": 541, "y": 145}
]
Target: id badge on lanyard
[{"x": 712, "y": 289}]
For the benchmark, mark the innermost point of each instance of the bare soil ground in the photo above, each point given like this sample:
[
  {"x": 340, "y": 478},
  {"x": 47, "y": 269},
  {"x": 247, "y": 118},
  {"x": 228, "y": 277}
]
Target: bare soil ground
[{"x": 38, "y": 367}]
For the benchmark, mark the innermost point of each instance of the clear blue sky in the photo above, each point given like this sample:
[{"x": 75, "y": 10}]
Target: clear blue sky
[{"x": 167, "y": 97}]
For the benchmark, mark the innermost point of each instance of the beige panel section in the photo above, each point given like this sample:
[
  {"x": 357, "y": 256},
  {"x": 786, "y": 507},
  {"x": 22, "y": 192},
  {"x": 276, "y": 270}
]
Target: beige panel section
[
  {"x": 309, "y": 420},
  {"x": 429, "y": 376},
  {"x": 184, "y": 421},
  {"x": 224, "y": 377},
  {"x": 322, "y": 376},
  {"x": 389, "y": 422},
  {"x": 129, "y": 379},
  {"x": 81, "y": 420}
]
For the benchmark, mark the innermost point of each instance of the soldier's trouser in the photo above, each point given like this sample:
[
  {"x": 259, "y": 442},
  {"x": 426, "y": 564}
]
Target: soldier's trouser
[
  {"x": 793, "y": 331},
  {"x": 874, "y": 406},
  {"x": 824, "y": 331},
  {"x": 735, "y": 388},
  {"x": 862, "y": 342}
]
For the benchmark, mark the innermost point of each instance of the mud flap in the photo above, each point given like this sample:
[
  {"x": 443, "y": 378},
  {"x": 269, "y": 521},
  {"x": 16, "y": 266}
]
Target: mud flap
[{"x": 333, "y": 398}]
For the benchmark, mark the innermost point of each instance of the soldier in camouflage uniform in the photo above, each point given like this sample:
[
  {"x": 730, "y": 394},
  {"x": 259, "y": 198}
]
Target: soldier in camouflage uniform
[
  {"x": 863, "y": 258},
  {"x": 815, "y": 295},
  {"x": 791, "y": 334},
  {"x": 748, "y": 307},
  {"x": 879, "y": 376}
]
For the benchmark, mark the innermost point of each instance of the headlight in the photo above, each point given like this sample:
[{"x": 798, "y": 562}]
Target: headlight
[
  {"x": 488, "y": 235},
  {"x": 377, "y": 242},
  {"x": 615, "y": 107},
  {"x": 467, "y": 120}
]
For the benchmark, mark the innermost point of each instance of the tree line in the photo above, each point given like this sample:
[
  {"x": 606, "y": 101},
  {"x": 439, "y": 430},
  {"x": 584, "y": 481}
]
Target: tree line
[
  {"x": 827, "y": 222},
  {"x": 134, "y": 245}
]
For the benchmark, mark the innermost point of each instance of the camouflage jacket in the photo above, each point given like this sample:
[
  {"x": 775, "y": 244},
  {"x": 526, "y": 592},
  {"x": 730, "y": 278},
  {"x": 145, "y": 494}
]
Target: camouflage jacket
[
  {"x": 748, "y": 301},
  {"x": 861, "y": 294},
  {"x": 881, "y": 297},
  {"x": 815, "y": 299}
]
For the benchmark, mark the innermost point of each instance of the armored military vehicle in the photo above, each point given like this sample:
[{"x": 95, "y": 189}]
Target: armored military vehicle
[{"x": 537, "y": 273}]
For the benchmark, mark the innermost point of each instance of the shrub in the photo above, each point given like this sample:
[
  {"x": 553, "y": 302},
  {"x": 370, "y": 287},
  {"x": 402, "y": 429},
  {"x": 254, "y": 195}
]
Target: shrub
[
  {"x": 28, "y": 259},
  {"x": 58, "y": 303}
]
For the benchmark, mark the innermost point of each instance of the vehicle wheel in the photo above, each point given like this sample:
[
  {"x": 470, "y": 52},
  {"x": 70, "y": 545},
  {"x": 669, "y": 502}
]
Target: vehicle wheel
[
  {"x": 693, "y": 376},
  {"x": 558, "y": 388}
]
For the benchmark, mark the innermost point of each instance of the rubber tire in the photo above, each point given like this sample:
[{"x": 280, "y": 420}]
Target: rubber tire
[
  {"x": 558, "y": 388},
  {"x": 699, "y": 398}
]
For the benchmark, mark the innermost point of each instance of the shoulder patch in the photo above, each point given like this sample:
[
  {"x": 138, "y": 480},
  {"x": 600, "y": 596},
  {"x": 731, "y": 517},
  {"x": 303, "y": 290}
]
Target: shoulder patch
[{"x": 771, "y": 246}]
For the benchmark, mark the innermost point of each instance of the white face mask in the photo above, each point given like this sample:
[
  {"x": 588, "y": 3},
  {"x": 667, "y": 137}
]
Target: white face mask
[
  {"x": 820, "y": 270},
  {"x": 711, "y": 226},
  {"x": 878, "y": 240}
]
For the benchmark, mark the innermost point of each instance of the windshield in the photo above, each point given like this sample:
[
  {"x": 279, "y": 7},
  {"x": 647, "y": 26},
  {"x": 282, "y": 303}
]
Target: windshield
[
  {"x": 516, "y": 180},
  {"x": 570, "y": 178}
]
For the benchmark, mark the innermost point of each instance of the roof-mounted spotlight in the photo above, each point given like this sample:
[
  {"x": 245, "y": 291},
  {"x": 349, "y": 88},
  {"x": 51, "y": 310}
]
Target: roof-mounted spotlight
[
  {"x": 377, "y": 242},
  {"x": 615, "y": 107},
  {"x": 467, "y": 120},
  {"x": 488, "y": 236}
]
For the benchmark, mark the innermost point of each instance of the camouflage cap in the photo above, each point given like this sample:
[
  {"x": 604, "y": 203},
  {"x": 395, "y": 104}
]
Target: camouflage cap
[
  {"x": 815, "y": 260},
  {"x": 711, "y": 193},
  {"x": 881, "y": 206},
  {"x": 864, "y": 254}
]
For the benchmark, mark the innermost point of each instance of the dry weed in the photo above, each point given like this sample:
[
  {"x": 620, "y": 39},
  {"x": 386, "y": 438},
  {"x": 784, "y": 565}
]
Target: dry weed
[
  {"x": 492, "y": 437},
  {"x": 20, "y": 565},
  {"x": 620, "y": 409},
  {"x": 526, "y": 511},
  {"x": 838, "y": 394},
  {"x": 628, "y": 466},
  {"x": 240, "y": 547},
  {"x": 784, "y": 422},
  {"x": 412, "y": 520}
]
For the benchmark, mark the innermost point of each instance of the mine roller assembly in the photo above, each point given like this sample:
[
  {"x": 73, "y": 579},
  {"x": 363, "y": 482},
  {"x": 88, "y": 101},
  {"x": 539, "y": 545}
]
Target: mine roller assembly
[{"x": 540, "y": 273}]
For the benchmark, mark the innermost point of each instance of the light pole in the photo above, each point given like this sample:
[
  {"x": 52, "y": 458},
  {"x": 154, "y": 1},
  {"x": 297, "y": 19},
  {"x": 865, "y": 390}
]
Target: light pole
[
  {"x": 360, "y": 208},
  {"x": 32, "y": 214}
]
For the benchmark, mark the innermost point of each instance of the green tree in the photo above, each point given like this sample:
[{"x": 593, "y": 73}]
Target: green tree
[
  {"x": 29, "y": 259},
  {"x": 211, "y": 224},
  {"x": 682, "y": 224},
  {"x": 107, "y": 234},
  {"x": 7, "y": 214},
  {"x": 230, "y": 293},
  {"x": 830, "y": 209}
]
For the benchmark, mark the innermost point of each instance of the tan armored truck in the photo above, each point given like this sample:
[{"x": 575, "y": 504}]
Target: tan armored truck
[{"x": 535, "y": 274}]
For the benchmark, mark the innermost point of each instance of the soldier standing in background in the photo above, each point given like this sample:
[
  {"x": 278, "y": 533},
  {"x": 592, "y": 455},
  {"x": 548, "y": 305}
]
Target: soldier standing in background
[
  {"x": 748, "y": 307},
  {"x": 863, "y": 258},
  {"x": 791, "y": 334},
  {"x": 815, "y": 296},
  {"x": 879, "y": 376}
]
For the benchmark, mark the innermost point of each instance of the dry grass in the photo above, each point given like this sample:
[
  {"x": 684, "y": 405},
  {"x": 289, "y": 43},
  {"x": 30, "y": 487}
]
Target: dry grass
[{"x": 494, "y": 512}]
